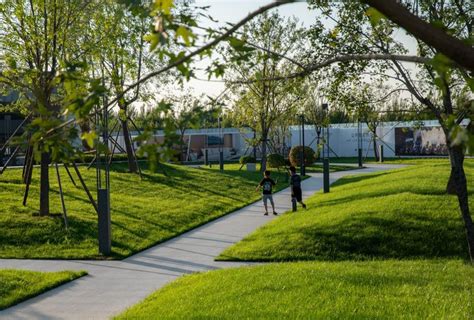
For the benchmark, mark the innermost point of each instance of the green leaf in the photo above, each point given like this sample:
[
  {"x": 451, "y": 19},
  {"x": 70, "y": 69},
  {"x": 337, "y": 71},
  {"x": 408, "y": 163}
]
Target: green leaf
[
  {"x": 164, "y": 6},
  {"x": 185, "y": 34},
  {"x": 89, "y": 137},
  {"x": 374, "y": 15}
]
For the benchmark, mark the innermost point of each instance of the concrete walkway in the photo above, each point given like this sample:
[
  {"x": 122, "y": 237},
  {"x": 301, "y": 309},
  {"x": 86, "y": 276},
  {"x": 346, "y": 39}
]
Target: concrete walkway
[{"x": 112, "y": 286}]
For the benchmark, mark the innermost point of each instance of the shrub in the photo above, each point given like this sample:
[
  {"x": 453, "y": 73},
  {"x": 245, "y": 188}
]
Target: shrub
[
  {"x": 247, "y": 159},
  {"x": 295, "y": 156},
  {"x": 275, "y": 160}
]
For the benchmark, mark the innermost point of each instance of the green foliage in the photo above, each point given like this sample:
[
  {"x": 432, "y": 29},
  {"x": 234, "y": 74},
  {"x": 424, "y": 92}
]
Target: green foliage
[
  {"x": 318, "y": 290},
  {"x": 276, "y": 160},
  {"x": 247, "y": 159},
  {"x": 295, "y": 156},
  {"x": 19, "y": 285}
]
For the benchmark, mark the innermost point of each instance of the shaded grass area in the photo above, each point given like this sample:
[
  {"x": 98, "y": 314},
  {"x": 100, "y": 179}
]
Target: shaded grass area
[
  {"x": 19, "y": 285},
  {"x": 318, "y": 290},
  {"x": 144, "y": 212},
  {"x": 402, "y": 214},
  {"x": 314, "y": 168}
]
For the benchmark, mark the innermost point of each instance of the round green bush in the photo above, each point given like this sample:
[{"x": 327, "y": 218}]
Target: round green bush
[
  {"x": 295, "y": 156},
  {"x": 275, "y": 160},
  {"x": 247, "y": 159}
]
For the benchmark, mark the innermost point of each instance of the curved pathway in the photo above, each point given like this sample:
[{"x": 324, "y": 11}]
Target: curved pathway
[{"x": 112, "y": 286}]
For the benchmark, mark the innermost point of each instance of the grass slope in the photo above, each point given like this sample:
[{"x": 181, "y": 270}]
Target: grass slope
[
  {"x": 402, "y": 214},
  {"x": 19, "y": 285},
  {"x": 143, "y": 212},
  {"x": 358, "y": 228},
  {"x": 314, "y": 290}
]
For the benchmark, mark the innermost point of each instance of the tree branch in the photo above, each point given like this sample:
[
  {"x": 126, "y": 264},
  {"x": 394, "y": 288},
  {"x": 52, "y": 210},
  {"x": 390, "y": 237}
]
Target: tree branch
[
  {"x": 182, "y": 60},
  {"x": 452, "y": 47},
  {"x": 344, "y": 58}
]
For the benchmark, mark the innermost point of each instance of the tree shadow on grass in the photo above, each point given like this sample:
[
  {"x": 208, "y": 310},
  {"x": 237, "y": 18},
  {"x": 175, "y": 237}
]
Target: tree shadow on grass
[{"x": 51, "y": 231}]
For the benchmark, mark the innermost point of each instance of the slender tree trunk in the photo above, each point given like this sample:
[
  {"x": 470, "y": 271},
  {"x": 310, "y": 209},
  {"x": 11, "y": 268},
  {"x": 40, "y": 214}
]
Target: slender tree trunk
[
  {"x": 376, "y": 156},
  {"x": 132, "y": 166},
  {"x": 263, "y": 163},
  {"x": 456, "y": 155},
  {"x": 451, "y": 186},
  {"x": 44, "y": 184}
]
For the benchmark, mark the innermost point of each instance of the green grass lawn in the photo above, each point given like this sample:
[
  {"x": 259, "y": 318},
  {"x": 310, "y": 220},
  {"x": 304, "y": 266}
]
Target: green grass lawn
[
  {"x": 143, "y": 212},
  {"x": 387, "y": 245},
  {"x": 400, "y": 214},
  {"x": 318, "y": 290},
  {"x": 19, "y": 285}
]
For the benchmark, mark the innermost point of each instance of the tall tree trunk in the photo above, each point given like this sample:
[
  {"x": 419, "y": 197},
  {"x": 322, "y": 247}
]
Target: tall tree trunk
[
  {"x": 451, "y": 186},
  {"x": 44, "y": 184},
  {"x": 132, "y": 166},
  {"x": 456, "y": 156},
  {"x": 263, "y": 162},
  {"x": 376, "y": 156}
]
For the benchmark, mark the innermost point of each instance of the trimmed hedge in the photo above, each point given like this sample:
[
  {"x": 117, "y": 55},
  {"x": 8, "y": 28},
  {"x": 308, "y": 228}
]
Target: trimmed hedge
[
  {"x": 295, "y": 156},
  {"x": 275, "y": 160},
  {"x": 247, "y": 159}
]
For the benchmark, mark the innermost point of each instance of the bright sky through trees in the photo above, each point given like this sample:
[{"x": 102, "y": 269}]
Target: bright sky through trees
[{"x": 234, "y": 10}]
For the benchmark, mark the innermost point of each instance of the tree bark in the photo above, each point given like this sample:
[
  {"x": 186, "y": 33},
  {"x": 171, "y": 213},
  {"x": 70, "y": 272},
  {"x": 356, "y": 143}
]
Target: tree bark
[
  {"x": 456, "y": 156},
  {"x": 44, "y": 184},
  {"x": 263, "y": 162},
  {"x": 435, "y": 37},
  {"x": 451, "y": 186},
  {"x": 132, "y": 166},
  {"x": 375, "y": 149}
]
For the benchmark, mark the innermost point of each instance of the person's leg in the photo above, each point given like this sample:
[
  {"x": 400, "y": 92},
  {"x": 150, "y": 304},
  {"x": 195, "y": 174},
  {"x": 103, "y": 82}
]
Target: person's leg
[
  {"x": 299, "y": 197},
  {"x": 273, "y": 205},
  {"x": 265, "y": 199}
]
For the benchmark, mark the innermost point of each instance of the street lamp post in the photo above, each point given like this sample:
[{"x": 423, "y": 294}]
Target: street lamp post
[
  {"x": 326, "y": 156},
  {"x": 221, "y": 145},
  {"x": 359, "y": 143},
  {"x": 302, "y": 168}
]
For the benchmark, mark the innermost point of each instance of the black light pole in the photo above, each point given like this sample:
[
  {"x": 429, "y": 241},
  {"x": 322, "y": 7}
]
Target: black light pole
[
  {"x": 302, "y": 168},
  {"x": 103, "y": 187},
  {"x": 221, "y": 145},
  {"x": 359, "y": 143},
  {"x": 326, "y": 157}
]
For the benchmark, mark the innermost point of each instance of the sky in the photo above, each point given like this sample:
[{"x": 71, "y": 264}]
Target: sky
[{"x": 235, "y": 10}]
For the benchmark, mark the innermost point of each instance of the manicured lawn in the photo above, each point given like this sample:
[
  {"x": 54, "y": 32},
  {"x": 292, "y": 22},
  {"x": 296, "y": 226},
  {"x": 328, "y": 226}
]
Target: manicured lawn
[
  {"x": 388, "y": 245},
  {"x": 400, "y": 214},
  {"x": 19, "y": 285},
  {"x": 318, "y": 290},
  {"x": 143, "y": 212}
]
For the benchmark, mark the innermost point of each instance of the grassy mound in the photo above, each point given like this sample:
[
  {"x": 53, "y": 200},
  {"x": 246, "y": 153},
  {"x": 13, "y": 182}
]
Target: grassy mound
[
  {"x": 402, "y": 214},
  {"x": 144, "y": 212},
  {"x": 317, "y": 290},
  {"x": 19, "y": 285}
]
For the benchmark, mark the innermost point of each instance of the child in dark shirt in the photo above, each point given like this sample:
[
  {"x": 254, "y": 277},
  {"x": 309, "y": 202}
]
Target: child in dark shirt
[
  {"x": 296, "y": 192},
  {"x": 267, "y": 184}
]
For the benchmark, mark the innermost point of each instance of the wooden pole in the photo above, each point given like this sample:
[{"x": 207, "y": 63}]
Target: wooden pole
[
  {"x": 29, "y": 172},
  {"x": 70, "y": 175},
  {"x": 10, "y": 159},
  {"x": 85, "y": 187},
  {"x": 62, "y": 197}
]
